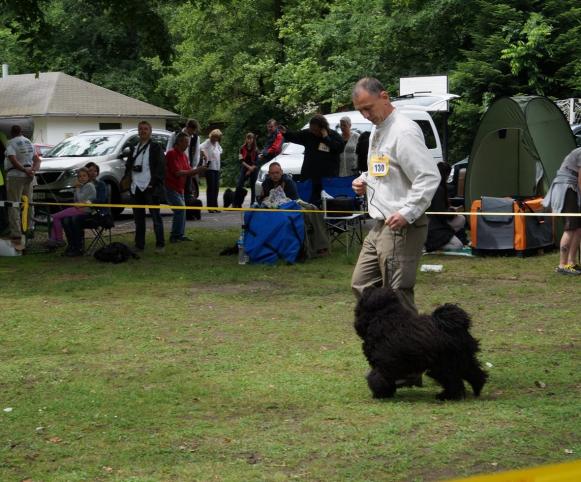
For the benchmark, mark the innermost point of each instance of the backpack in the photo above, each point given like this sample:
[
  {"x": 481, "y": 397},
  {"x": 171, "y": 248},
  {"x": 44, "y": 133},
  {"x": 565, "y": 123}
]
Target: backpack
[{"x": 115, "y": 253}]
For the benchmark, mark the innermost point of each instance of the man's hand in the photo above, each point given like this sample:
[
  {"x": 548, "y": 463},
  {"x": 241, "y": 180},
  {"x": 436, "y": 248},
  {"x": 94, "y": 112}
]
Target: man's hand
[
  {"x": 29, "y": 171},
  {"x": 324, "y": 132},
  {"x": 396, "y": 221},
  {"x": 359, "y": 186}
]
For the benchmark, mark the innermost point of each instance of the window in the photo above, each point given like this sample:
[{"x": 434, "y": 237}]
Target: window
[
  {"x": 104, "y": 126},
  {"x": 161, "y": 139}
]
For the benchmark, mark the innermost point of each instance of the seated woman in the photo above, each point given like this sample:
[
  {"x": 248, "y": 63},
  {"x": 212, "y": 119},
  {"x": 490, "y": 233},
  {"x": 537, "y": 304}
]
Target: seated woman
[
  {"x": 85, "y": 192},
  {"x": 445, "y": 233}
]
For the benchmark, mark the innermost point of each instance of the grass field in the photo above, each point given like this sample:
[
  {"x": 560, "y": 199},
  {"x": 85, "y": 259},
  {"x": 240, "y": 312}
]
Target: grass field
[{"x": 187, "y": 366}]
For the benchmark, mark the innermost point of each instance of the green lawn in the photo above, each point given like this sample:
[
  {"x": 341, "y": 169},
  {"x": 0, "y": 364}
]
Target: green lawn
[{"x": 187, "y": 366}]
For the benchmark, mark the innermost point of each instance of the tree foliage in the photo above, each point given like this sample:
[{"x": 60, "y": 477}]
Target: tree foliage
[{"x": 238, "y": 63}]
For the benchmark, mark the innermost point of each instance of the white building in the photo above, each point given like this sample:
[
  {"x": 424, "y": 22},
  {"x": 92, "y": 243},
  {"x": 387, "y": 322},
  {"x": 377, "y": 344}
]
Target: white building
[{"x": 60, "y": 106}]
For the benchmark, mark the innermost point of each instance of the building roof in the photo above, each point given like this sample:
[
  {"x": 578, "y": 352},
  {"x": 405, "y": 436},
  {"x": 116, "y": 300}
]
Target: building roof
[{"x": 59, "y": 94}]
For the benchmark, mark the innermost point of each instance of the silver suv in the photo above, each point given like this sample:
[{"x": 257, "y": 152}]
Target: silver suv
[{"x": 108, "y": 149}]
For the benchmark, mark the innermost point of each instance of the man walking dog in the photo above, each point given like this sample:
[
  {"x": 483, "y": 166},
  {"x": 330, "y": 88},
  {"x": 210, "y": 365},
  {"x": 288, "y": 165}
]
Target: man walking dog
[{"x": 400, "y": 182}]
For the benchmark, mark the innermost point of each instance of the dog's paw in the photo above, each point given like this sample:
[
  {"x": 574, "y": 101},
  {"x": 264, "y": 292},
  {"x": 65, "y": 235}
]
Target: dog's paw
[{"x": 445, "y": 396}]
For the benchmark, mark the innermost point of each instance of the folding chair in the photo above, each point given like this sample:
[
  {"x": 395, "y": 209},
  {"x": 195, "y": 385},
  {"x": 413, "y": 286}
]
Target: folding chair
[
  {"x": 100, "y": 224},
  {"x": 345, "y": 228},
  {"x": 305, "y": 189}
]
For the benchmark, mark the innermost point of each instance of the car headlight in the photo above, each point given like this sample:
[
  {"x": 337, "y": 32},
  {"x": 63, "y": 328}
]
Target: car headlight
[
  {"x": 70, "y": 173},
  {"x": 261, "y": 176}
]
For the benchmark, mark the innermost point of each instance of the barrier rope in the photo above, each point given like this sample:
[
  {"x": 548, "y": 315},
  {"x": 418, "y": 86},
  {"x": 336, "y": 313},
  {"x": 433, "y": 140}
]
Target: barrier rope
[{"x": 318, "y": 211}]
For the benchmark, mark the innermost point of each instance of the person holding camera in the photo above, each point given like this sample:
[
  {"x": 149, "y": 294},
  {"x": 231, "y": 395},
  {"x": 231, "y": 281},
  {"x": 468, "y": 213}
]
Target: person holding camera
[
  {"x": 323, "y": 147},
  {"x": 146, "y": 168}
]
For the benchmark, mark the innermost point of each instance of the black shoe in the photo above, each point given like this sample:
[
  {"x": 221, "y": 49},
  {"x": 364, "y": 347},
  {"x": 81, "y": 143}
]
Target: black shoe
[
  {"x": 185, "y": 238},
  {"x": 73, "y": 253},
  {"x": 174, "y": 240}
]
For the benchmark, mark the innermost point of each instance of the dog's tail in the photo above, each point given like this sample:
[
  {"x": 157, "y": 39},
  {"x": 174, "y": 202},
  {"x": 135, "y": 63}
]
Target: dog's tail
[{"x": 451, "y": 317}]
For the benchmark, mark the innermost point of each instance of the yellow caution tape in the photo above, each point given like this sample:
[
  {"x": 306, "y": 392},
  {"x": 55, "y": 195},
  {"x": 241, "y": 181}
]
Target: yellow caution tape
[
  {"x": 319, "y": 211},
  {"x": 569, "y": 472},
  {"x": 24, "y": 215}
]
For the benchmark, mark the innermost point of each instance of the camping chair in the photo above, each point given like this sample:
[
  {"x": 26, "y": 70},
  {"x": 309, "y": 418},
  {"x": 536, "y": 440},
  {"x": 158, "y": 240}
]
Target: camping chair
[
  {"x": 100, "y": 224},
  {"x": 305, "y": 189},
  {"x": 345, "y": 228}
]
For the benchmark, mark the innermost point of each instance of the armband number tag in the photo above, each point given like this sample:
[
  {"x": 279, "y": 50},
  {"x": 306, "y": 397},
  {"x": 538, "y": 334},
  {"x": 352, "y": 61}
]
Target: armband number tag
[{"x": 379, "y": 165}]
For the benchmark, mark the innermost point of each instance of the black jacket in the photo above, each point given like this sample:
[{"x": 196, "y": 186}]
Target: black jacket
[
  {"x": 156, "y": 167},
  {"x": 321, "y": 153},
  {"x": 288, "y": 185},
  {"x": 439, "y": 231}
]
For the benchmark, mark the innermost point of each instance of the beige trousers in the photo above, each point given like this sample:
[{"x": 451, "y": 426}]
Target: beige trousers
[
  {"x": 391, "y": 258},
  {"x": 16, "y": 187}
]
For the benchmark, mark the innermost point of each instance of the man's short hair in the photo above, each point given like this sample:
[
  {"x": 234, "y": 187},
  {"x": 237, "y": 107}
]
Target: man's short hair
[
  {"x": 146, "y": 123},
  {"x": 215, "y": 133},
  {"x": 345, "y": 119},
  {"x": 320, "y": 121},
  {"x": 370, "y": 84},
  {"x": 275, "y": 164},
  {"x": 271, "y": 121},
  {"x": 92, "y": 164},
  {"x": 179, "y": 137},
  {"x": 193, "y": 124},
  {"x": 15, "y": 131}
]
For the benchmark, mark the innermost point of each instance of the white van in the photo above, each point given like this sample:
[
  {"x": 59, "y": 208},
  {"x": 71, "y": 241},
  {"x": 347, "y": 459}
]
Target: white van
[{"x": 416, "y": 108}]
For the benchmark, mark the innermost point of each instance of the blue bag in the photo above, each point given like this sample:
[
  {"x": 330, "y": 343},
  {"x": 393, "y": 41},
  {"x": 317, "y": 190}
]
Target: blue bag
[{"x": 270, "y": 236}]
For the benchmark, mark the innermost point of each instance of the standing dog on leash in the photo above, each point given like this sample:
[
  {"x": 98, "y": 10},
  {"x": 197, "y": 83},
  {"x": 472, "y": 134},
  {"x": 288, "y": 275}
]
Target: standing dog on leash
[{"x": 398, "y": 343}]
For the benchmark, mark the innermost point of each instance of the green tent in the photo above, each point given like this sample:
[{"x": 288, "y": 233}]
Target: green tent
[{"x": 520, "y": 144}]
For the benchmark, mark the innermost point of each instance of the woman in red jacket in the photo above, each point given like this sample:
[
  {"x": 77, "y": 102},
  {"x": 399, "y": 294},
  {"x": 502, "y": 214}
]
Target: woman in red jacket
[{"x": 248, "y": 157}]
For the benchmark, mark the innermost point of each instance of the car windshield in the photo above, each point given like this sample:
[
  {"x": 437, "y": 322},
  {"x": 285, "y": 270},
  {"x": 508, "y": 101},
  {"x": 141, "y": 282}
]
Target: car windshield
[
  {"x": 85, "y": 146},
  {"x": 292, "y": 148}
]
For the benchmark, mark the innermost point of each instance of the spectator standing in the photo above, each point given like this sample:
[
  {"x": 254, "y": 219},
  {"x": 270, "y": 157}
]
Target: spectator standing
[
  {"x": 146, "y": 167},
  {"x": 322, "y": 149},
  {"x": 444, "y": 232},
  {"x": 248, "y": 158},
  {"x": 348, "y": 158},
  {"x": 21, "y": 163},
  {"x": 362, "y": 150},
  {"x": 273, "y": 144},
  {"x": 3, "y": 215},
  {"x": 564, "y": 196},
  {"x": 400, "y": 183},
  {"x": 178, "y": 172},
  {"x": 192, "y": 130},
  {"x": 212, "y": 152}
]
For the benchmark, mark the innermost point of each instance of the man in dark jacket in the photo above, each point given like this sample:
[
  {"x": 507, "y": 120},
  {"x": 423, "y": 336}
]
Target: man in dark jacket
[
  {"x": 146, "y": 166},
  {"x": 277, "y": 178},
  {"x": 322, "y": 149}
]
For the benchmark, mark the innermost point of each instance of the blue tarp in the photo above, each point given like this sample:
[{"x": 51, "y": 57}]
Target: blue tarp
[{"x": 270, "y": 236}]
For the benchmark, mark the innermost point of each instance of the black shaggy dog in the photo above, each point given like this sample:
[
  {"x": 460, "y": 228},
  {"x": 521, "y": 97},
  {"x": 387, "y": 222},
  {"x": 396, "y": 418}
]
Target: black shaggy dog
[{"x": 399, "y": 344}]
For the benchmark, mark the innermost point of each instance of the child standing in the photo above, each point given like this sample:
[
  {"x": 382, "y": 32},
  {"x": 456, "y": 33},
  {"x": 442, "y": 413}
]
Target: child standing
[
  {"x": 248, "y": 169},
  {"x": 84, "y": 193}
]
